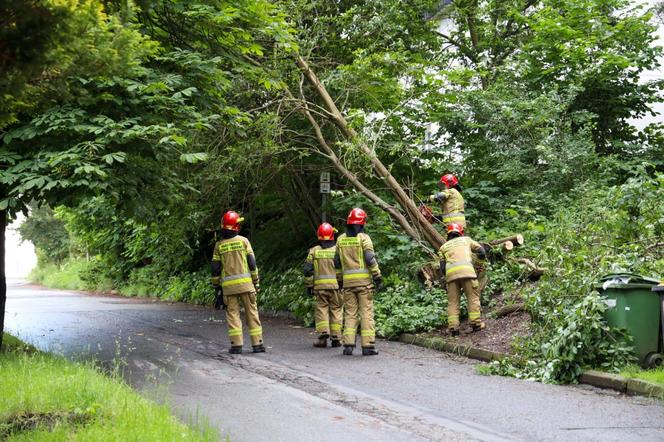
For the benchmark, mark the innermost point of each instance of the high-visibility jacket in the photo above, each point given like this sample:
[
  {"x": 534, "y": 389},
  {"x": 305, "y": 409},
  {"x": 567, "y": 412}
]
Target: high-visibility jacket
[
  {"x": 457, "y": 255},
  {"x": 234, "y": 266},
  {"x": 357, "y": 261},
  {"x": 453, "y": 206},
  {"x": 319, "y": 271}
]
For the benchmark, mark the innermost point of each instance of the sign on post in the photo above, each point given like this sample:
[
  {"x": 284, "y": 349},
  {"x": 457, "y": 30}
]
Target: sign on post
[{"x": 325, "y": 182}]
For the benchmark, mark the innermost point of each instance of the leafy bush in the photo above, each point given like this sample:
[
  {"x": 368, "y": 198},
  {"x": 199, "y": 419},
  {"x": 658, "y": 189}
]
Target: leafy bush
[
  {"x": 605, "y": 230},
  {"x": 407, "y": 307},
  {"x": 194, "y": 288},
  {"x": 47, "y": 233},
  {"x": 64, "y": 276},
  {"x": 284, "y": 291}
]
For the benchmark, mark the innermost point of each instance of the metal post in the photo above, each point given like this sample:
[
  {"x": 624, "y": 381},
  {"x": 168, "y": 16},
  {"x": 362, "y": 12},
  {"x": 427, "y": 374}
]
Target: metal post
[{"x": 324, "y": 190}]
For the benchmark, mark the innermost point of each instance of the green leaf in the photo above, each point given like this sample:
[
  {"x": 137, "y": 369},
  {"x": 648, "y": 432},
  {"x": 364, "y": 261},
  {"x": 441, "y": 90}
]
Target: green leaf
[{"x": 193, "y": 158}]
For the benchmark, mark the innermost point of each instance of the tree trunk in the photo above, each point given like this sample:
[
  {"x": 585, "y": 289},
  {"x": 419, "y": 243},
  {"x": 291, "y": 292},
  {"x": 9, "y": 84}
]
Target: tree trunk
[
  {"x": 535, "y": 272},
  {"x": 429, "y": 233},
  {"x": 517, "y": 240},
  {"x": 509, "y": 309},
  {"x": 3, "y": 276},
  {"x": 328, "y": 152}
]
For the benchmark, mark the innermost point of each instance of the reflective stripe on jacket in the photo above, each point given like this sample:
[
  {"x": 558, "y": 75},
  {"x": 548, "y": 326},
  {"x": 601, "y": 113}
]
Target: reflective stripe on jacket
[
  {"x": 324, "y": 276},
  {"x": 236, "y": 276},
  {"x": 358, "y": 262},
  {"x": 458, "y": 257},
  {"x": 453, "y": 206}
]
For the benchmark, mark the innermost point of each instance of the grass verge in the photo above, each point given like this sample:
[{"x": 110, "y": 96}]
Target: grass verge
[
  {"x": 48, "y": 398},
  {"x": 655, "y": 375}
]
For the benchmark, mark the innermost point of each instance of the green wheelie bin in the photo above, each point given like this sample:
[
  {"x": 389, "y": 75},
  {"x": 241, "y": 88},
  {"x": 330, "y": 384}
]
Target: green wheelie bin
[
  {"x": 632, "y": 305},
  {"x": 659, "y": 291}
]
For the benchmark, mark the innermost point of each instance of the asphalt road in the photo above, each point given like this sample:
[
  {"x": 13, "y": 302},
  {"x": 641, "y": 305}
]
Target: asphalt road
[{"x": 295, "y": 392}]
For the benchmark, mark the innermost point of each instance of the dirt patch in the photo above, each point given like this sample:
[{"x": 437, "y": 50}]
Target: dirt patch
[{"x": 498, "y": 334}]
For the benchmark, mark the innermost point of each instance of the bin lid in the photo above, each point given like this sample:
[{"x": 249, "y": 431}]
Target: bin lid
[
  {"x": 625, "y": 280},
  {"x": 659, "y": 288}
]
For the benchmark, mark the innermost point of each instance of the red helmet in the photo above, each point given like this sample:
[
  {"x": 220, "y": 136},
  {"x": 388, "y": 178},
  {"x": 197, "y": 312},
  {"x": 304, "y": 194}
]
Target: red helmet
[
  {"x": 325, "y": 232},
  {"x": 231, "y": 221},
  {"x": 357, "y": 216},
  {"x": 454, "y": 227},
  {"x": 449, "y": 180}
]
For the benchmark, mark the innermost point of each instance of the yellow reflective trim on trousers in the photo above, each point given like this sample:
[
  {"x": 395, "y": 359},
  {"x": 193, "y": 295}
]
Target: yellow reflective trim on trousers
[
  {"x": 326, "y": 281},
  {"x": 255, "y": 331},
  {"x": 322, "y": 324},
  {"x": 357, "y": 275},
  {"x": 474, "y": 315},
  {"x": 335, "y": 327},
  {"x": 456, "y": 269},
  {"x": 236, "y": 282},
  {"x": 234, "y": 332},
  {"x": 350, "y": 332},
  {"x": 368, "y": 333}
]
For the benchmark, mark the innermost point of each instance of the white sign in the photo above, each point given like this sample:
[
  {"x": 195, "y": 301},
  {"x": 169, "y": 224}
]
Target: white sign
[
  {"x": 324, "y": 187},
  {"x": 324, "y": 178}
]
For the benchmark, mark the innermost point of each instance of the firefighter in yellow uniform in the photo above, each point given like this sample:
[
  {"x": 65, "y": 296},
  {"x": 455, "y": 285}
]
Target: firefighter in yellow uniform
[
  {"x": 322, "y": 280},
  {"x": 360, "y": 275},
  {"x": 456, "y": 262},
  {"x": 235, "y": 278},
  {"x": 452, "y": 202}
]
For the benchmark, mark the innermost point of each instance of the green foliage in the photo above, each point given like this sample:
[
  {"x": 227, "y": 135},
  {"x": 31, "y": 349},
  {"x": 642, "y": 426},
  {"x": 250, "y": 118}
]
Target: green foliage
[
  {"x": 284, "y": 291},
  {"x": 81, "y": 402},
  {"x": 604, "y": 230},
  {"x": 47, "y": 233},
  {"x": 66, "y": 275},
  {"x": 405, "y": 306}
]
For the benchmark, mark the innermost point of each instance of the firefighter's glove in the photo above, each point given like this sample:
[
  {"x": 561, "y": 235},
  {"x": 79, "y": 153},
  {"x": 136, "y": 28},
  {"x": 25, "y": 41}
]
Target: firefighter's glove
[
  {"x": 481, "y": 254},
  {"x": 219, "y": 299},
  {"x": 378, "y": 284},
  {"x": 257, "y": 287},
  {"x": 309, "y": 291}
]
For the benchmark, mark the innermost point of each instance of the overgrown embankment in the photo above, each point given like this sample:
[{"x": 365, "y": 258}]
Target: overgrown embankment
[{"x": 46, "y": 397}]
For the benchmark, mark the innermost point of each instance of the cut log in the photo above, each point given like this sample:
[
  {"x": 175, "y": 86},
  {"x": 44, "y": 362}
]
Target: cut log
[
  {"x": 535, "y": 272},
  {"x": 508, "y": 309},
  {"x": 497, "y": 252},
  {"x": 430, "y": 275},
  {"x": 516, "y": 240}
]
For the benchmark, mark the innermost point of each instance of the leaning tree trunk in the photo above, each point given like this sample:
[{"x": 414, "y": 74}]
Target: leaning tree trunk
[
  {"x": 327, "y": 151},
  {"x": 429, "y": 233},
  {"x": 3, "y": 276}
]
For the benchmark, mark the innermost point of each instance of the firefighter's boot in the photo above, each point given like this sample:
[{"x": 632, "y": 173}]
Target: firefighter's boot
[
  {"x": 260, "y": 348},
  {"x": 477, "y": 326},
  {"x": 321, "y": 342},
  {"x": 348, "y": 350},
  {"x": 235, "y": 350},
  {"x": 336, "y": 343},
  {"x": 369, "y": 351}
]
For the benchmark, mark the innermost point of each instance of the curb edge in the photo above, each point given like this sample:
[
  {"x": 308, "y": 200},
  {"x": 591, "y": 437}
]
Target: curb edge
[{"x": 632, "y": 387}]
